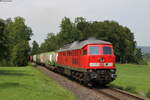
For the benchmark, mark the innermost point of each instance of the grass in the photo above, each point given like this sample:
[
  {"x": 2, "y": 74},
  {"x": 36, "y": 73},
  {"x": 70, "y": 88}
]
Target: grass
[
  {"x": 136, "y": 77},
  {"x": 27, "y": 83}
]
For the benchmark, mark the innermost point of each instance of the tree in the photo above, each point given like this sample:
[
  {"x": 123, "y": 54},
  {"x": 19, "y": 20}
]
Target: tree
[
  {"x": 139, "y": 57},
  {"x": 2, "y": 38},
  {"x": 18, "y": 34},
  {"x": 35, "y": 48},
  {"x": 18, "y": 31},
  {"x": 120, "y": 36},
  {"x": 3, "y": 41},
  {"x": 20, "y": 54},
  {"x": 69, "y": 32},
  {"x": 51, "y": 43}
]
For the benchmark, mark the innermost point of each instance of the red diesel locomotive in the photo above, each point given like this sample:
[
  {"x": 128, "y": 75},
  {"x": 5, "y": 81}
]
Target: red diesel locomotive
[{"x": 89, "y": 61}]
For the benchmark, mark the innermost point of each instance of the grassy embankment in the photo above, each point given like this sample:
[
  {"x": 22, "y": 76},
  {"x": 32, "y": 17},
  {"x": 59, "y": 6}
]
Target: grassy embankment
[
  {"x": 27, "y": 83},
  {"x": 134, "y": 78}
]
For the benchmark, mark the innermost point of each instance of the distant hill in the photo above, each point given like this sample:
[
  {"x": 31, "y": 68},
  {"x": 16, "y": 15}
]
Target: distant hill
[{"x": 145, "y": 49}]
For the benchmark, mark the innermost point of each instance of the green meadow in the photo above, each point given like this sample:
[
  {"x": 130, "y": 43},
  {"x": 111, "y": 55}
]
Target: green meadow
[
  {"x": 27, "y": 83},
  {"x": 133, "y": 77}
]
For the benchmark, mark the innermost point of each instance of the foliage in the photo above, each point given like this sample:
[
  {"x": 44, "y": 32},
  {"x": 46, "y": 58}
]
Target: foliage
[
  {"x": 35, "y": 48},
  {"x": 20, "y": 54},
  {"x": 17, "y": 47},
  {"x": 3, "y": 41},
  {"x": 15, "y": 32},
  {"x": 121, "y": 37},
  {"x": 139, "y": 57},
  {"x": 51, "y": 43}
]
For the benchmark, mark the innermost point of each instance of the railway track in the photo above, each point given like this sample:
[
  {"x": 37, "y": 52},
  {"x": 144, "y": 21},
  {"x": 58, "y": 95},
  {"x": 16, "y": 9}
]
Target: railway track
[
  {"x": 116, "y": 94},
  {"x": 106, "y": 93}
]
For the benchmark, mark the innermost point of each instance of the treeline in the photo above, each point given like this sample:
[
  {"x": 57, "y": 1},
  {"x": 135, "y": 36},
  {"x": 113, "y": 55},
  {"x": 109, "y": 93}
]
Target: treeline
[
  {"x": 14, "y": 42},
  {"x": 120, "y": 36},
  {"x": 15, "y": 36}
]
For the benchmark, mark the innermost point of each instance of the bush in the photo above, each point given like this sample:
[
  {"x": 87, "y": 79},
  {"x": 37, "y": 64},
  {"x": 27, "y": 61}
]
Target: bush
[
  {"x": 143, "y": 62},
  {"x": 148, "y": 94},
  {"x": 130, "y": 89},
  {"x": 4, "y": 63}
]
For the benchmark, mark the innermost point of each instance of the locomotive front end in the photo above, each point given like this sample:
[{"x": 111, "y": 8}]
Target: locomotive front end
[{"x": 101, "y": 63}]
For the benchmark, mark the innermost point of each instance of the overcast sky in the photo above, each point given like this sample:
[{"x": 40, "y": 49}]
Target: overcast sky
[{"x": 44, "y": 16}]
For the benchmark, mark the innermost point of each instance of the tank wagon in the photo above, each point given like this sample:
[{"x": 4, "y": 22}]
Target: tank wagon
[{"x": 89, "y": 61}]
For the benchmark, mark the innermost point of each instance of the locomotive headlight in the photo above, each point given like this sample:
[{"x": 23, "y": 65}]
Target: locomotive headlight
[
  {"x": 108, "y": 64},
  {"x": 94, "y": 64}
]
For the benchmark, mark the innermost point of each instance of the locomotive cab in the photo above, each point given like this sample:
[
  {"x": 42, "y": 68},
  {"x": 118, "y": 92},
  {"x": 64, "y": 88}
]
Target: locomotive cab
[
  {"x": 100, "y": 61},
  {"x": 101, "y": 56},
  {"x": 89, "y": 60}
]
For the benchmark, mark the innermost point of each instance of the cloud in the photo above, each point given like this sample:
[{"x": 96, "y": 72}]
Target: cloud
[{"x": 44, "y": 16}]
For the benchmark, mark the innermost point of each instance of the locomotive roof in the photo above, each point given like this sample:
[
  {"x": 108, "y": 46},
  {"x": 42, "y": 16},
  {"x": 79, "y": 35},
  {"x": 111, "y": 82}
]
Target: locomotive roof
[{"x": 79, "y": 45}]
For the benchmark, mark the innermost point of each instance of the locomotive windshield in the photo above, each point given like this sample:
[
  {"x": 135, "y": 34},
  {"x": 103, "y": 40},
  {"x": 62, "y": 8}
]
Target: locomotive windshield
[
  {"x": 107, "y": 50},
  {"x": 94, "y": 50}
]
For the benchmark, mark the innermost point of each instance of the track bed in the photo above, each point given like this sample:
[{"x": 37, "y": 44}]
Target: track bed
[{"x": 85, "y": 93}]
